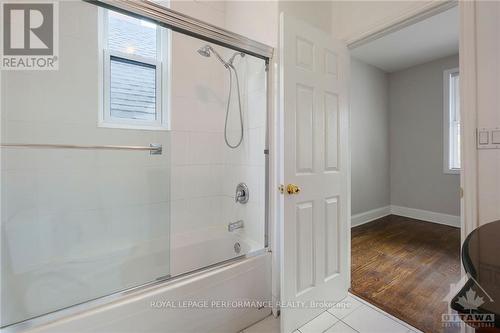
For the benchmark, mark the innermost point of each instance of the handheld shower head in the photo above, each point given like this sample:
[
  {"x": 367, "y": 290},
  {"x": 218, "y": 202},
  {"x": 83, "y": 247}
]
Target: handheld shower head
[
  {"x": 207, "y": 50},
  {"x": 204, "y": 51}
]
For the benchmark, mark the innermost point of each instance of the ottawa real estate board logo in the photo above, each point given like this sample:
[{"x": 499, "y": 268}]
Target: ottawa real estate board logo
[{"x": 30, "y": 35}]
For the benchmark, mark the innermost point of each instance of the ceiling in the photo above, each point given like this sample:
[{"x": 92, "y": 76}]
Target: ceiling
[{"x": 433, "y": 38}]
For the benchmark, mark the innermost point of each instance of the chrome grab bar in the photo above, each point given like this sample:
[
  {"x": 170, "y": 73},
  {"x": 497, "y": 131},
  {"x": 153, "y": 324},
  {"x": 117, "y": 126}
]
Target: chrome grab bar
[{"x": 154, "y": 148}]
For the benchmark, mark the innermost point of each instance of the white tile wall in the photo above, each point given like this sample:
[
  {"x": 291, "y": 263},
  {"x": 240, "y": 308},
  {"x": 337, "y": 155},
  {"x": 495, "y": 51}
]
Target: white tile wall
[
  {"x": 75, "y": 224},
  {"x": 247, "y": 162},
  {"x": 205, "y": 171},
  {"x": 106, "y": 216}
]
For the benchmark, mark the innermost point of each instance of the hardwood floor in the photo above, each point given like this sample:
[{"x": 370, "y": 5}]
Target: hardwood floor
[{"x": 405, "y": 267}]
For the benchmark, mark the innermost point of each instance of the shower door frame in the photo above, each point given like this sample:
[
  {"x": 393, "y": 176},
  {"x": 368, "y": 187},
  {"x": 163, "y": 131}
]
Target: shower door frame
[
  {"x": 193, "y": 27},
  {"x": 185, "y": 24}
]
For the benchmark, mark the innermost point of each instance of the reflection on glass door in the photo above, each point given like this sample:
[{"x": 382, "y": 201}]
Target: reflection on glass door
[{"x": 97, "y": 208}]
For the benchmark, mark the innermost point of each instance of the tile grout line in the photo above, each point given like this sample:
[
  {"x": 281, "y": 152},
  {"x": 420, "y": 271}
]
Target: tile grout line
[
  {"x": 348, "y": 325},
  {"x": 363, "y": 303},
  {"x": 350, "y": 313},
  {"x": 337, "y": 320},
  {"x": 335, "y": 323},
  {"x": 388, "y": 315},
  {"x": 343, "y": 301}
]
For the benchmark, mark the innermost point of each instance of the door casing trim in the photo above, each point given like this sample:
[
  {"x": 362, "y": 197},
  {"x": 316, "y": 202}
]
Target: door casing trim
[{"x": 468, "y": 96}]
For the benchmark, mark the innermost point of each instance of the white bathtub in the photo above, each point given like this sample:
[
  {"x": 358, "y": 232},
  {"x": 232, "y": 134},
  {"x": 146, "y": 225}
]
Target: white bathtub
[
  {"x": 142, "y": 310},
  {"x": 194, "y": 250}
]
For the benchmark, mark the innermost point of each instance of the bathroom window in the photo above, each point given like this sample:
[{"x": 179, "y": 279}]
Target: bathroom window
[
  {"x": 135, "y": 71},
  {"x": 451, "y": 121}
]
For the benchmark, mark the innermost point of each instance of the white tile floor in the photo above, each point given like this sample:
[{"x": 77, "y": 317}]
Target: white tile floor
[{"x": 351, "y": 315}]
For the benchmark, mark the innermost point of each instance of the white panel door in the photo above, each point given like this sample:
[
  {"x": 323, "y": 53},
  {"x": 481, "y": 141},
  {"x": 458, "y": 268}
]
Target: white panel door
[{"x": 314, "y": 72}]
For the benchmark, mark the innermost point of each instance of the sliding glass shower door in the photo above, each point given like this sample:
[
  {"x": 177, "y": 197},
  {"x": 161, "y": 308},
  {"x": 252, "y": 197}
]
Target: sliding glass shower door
[
  {"x": 142, "y": 157},
  {"x": 80, "y": 219}
]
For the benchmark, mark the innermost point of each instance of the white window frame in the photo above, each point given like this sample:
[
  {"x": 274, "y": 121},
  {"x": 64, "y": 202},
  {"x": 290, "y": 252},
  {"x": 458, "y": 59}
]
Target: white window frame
[
  {"x": 447, "y": 103},
  {"x": 162, "y": 86}
]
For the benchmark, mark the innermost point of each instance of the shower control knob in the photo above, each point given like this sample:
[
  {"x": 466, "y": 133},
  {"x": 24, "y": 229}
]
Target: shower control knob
[
  {"x": 292, "y": 189},
  {"x": 242, "y": 194}
]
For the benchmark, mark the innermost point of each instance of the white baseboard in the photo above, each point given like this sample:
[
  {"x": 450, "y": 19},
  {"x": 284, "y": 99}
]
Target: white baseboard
[
  {"x": 419, "y": 214},
  {"x": 426, "y": 215},
  {"x": 370, "y": 215}
]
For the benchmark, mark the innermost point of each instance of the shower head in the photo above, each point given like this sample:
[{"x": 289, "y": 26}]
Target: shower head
[
  {"x": 207, "y": 50},
  {"x": 204, "y": 51}
]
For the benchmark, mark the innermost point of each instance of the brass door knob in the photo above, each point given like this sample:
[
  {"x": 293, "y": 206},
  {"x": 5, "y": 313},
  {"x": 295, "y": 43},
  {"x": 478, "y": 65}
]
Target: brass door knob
[{"x": 292, "y": 189}]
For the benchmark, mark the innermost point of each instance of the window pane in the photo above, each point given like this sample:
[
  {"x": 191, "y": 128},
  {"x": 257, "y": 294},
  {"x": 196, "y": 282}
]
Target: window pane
[
  {"x": 133, "y": 90},
  {"x": 130, "y": 35}
]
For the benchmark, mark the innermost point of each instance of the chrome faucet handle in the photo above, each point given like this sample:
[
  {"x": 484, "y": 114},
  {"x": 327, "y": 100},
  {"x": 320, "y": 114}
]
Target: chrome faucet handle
[
  {"x": 242, "y": 193},
  {"x": 239, "y": 194}
]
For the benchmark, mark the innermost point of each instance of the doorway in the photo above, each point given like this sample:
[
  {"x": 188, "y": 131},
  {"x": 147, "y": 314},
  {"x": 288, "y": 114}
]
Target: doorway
[{"x": 405, "y": 130}]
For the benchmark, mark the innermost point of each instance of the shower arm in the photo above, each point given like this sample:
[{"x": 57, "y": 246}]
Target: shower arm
[{"x": 227, "y": 65}]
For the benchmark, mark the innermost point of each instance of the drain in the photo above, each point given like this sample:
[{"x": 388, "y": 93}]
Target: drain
[{"x": 237, "y": 247}]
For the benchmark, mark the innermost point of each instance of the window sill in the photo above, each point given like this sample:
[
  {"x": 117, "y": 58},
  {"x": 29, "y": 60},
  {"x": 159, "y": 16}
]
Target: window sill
[{"x": 132, "y": 126}]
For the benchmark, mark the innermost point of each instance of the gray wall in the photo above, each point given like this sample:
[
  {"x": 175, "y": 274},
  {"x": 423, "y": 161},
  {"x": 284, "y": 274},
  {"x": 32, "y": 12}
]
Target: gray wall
[
  {"x": 397, "y": 139},
  {"x": 416, "y": 140},
  {"x": 370, "y": 137}
]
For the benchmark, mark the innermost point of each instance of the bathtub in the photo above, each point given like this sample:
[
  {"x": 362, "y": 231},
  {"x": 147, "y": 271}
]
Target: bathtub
[
  {"x": 204, "y": 301},
  {"x": 197, "y": 249}
]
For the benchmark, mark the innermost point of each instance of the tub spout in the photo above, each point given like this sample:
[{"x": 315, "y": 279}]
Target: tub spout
[{"x": 235, "y": 225}]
